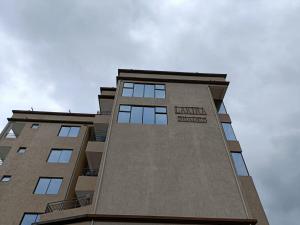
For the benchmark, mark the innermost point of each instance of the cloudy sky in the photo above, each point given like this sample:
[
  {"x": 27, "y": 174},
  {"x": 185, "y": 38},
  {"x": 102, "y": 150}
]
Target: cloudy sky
[{"x": 54, "y": 55}]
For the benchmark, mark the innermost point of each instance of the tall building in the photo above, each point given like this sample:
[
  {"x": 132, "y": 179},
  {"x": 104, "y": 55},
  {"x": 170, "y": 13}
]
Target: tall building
[{"x": 161, "y": 150}]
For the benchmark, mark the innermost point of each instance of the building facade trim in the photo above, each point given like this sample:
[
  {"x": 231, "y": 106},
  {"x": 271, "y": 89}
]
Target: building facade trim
[
  {"x": 48, "y": 121},
  {"x": 150, "y": 219}
]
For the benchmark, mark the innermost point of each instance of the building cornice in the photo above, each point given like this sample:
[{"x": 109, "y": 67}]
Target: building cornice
[{"x": 149, "y": 219}]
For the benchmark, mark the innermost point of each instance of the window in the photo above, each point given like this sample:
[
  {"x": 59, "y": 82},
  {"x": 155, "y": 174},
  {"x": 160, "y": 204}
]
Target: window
[
  {"x": 5, "y": 178},
  {"x": 48, "y": 186},
  {"x": 11, "y": 134},
  {"x": 67, "y": 131},
  {"x": 59, "y": 156},
  {"x": 220, "y": 107},
  {"x": 239, "y": 164},
  {"x": 21, "y": 150},
  {"x": 4, "y": 150},
  {"x": 35, "y": 126},
  {"x": 144, "y": 90},
  {"x": 30, "y": 218},
  {"x": 229, "y": 133},
  {"x": 142, "y": 115}
]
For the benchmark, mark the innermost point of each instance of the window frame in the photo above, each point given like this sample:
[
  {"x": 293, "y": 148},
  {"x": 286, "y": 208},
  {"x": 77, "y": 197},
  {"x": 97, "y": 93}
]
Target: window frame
[
  {"x": 35, "y": 126},
  {"x": 21, "y": 148},
  {"x": 70, "y": 127},
  {"x": 142, "y": 119},
  {"x": 61, "y": 151},
  {"x": 132, "y": 89},
  {"x": 238, "y": 173},
  {"x": 37, "y": 218},
  {"x": 50, "y": 178},
  {"x": 4, "y": 178}
]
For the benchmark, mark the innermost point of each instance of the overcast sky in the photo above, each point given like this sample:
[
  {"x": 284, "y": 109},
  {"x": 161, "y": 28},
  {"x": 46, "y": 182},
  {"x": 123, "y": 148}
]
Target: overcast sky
[{"x": 54, "y": 55}]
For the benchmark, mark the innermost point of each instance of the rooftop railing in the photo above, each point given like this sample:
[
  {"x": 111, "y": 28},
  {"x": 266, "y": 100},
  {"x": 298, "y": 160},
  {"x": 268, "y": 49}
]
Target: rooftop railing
[{"x": 67, "y": 204}]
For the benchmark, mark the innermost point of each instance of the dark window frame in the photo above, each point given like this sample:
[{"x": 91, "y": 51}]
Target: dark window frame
[
  {"x": 31, "y": 213},
  {"x": 35, "y": 126},
  {"x": 60, "y": 149},
  {"x": 143, "y": 106},
  {"x": 37, "y": 183},
  {"x": 69, "y": 126},
  {"x": 144, "y": 85},
  {"x": 21, "y": 148},
  {"x": 5, "y": 176}
]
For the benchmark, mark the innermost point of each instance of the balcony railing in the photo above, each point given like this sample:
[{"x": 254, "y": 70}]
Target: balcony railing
[
  {"x": 89, "y": 172},
  {"x": 67, "y": 204}
]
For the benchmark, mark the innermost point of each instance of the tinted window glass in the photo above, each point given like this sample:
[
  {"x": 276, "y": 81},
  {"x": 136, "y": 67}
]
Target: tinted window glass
[
  {"x": 222, "y": 109},
  {"x": 74, "y": 131},
  {"x": 229, "y": 133},
  {"x": 148, "y": 116},
  {"x": 160, "y": 94},
  {"x": 64, "y": 131},
  {"x": 65, "y": 156},
  {"x": 138, "y": 90},
  {"x": 136, "y": 114},
  {"x": 161, "y": 119},
  {"x": 123, "y": 117},
  {"x": 128, "y": 85},
  {"x": 54, "y": 186},
  {"x": 149, "y": 91},
  {"x": 125, "y": 108},
  {"x": 239, "y": 164},
  {"x": 29, "y": 219},
  {"x": 161, "y": 109},
  {"x": 160, "y": 86},
  {"x": 42, "y": 186},
  {"x": 54, "y": 156},
  {"x": 127, "y": 92}
]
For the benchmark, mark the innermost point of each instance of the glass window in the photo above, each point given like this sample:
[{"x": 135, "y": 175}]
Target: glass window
[
  {"x": 222, "y": 109},
  {"x": 21, "y": 150},
  {"x": 160, "y": 94},
  {"x": 54, "y": 186},
  {"x": 74, "y": 131},
  {"x": 123, "y": 117},
  {"x": 64, "y": 131},
  {"x": 144, "y": 90},
  {"x": 35, "y": 126},
  {"x": 30, "y": 218},
  {"x": 5, "y": 178},
  {"x": 11, "y": 134},
  {"x": 229, "y": 133},
  {"x": 239, "y": 164},
  {"x": 59, "y": 156},
  {"x": 161, "y": 119},
  {"x": 128, "y": 85},
  {"x": 48, "y": 186},
  {"x": 141, "y": 114},
  {"x": 65, "y": 156},
  {"x": 148, "y": 115},
  {"x": 149, "y": 91},
  {"x": 138, "y": 90},
  {"x": 127, "y": 92},
  {"x": 136, "y": 114},
  {"x": 68, "y": 131}
]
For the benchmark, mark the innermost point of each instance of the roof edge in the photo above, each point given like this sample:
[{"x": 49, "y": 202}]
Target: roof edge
[
  {"x": 54, "y": 113},
  {"x": 172, "y": 73}
]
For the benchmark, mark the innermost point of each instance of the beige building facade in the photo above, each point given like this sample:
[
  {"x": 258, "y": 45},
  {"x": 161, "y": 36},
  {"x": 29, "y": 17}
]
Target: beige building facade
[{"x": 161, "y": 150}]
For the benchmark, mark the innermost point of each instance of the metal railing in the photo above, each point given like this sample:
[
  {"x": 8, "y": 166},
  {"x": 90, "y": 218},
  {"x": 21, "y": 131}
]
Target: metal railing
[
  {"x": 67, "y": 204},
  {"x": 90, "y": 172}
]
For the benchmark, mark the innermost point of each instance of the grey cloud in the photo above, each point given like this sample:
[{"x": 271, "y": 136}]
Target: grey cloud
[{"x": 73, "y": 47}]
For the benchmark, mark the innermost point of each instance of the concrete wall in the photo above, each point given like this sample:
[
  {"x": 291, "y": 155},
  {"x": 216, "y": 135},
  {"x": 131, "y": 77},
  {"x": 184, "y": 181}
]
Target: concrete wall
[{"x": 179, "y": 169}]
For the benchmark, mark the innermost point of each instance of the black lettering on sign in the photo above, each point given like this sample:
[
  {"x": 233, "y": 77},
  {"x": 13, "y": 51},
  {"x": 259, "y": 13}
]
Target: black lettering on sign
[
  {"x": 192, "y": 119},
  {"x": 190, "y": 110}
]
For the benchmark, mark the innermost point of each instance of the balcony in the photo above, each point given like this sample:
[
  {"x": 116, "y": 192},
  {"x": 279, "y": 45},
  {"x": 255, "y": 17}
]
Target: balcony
[
  {"x": 68, "y": 204},
  {"x": 94, "y": 152}
]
